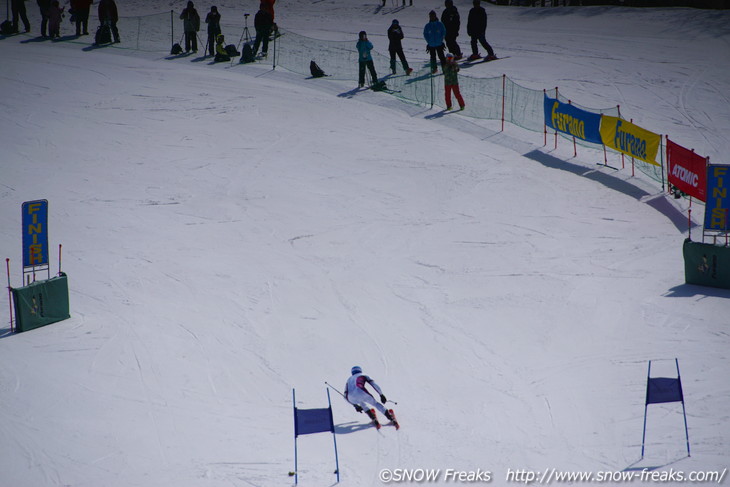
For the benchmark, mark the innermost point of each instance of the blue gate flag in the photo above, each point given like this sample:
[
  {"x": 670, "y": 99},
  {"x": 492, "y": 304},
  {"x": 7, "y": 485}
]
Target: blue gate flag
[
  {"x": 660, "y": 390},
  {"x": 307, "y": 421},
  {"x": 663, "y": 389},
  {"x": 568, "y": 119}
]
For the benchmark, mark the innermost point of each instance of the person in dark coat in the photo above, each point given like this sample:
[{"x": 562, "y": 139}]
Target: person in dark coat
[
  {"x": 452, "y": 22},
  {"x": 263, "y": 22},
  {"x": 108, "y": 15},
  {"x": 18, "y": 9},
  {"x": 213, "y": 19},
  {"x": 191, "y": 26},
  {"x": 476, "y": 28},
  {"x": 55, "y": 14},
  {"x": 395, "y": 47},
  {"x": 43, "y": 6},
  {"x": 81, "y": 15}
]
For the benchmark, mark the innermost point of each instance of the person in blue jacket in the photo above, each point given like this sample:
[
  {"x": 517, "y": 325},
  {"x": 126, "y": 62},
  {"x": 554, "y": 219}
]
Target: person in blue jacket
[
  {"x": 365, "y": 59},
  {"x": 434, "y": 33}
]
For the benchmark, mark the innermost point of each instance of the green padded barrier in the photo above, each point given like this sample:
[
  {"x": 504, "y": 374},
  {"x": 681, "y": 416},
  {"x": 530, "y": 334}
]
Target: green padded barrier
[
  {"x": 706, "y": 264},
  {"x": 41, "y": 303}
]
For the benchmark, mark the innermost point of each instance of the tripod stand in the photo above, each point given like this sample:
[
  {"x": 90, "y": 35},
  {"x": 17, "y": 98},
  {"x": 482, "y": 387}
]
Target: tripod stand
[{"x": 245, "y": 34}]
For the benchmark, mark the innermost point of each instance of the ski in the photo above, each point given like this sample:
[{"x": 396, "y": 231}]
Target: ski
[{"x": 471, "y": 62}]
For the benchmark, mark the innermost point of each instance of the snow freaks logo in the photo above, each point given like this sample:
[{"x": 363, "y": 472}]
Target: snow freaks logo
[{"x": 421, "y": 475}]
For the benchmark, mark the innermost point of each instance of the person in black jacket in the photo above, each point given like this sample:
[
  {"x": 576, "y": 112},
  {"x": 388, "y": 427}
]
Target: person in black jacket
[
  {"x": 395, "y": 48},
  {"x": 263, "y": 22},
  {"x": 452, "y": 22},
  {"x": 476, "y": 28},
  {"x": 213, "y": 19},
  {"x": 18, "y": 9},
  {"x": 43, "y": 6},
  {"x": 191, "y": 26},
  {"x": 109, "y": 15}
]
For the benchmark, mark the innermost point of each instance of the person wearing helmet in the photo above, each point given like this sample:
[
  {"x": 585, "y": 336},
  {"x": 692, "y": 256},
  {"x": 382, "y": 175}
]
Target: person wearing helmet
[{"x": 357, "y": 395}]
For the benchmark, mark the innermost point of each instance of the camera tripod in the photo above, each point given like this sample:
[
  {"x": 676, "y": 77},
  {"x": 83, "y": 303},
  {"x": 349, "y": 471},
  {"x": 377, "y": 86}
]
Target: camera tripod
[{"x": 246, "y": 34}]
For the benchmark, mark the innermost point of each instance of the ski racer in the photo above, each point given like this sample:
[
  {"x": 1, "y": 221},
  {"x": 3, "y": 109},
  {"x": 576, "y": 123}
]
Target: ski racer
[{"x": 357, "y": 395}]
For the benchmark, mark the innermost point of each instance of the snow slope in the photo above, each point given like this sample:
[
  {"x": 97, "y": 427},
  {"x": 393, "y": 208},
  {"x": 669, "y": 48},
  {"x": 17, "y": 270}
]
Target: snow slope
[{"x": 231, "y": 233}]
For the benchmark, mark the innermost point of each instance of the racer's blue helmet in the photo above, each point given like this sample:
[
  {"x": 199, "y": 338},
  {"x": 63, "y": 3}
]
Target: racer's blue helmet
[{"x": 356, "y": 370}]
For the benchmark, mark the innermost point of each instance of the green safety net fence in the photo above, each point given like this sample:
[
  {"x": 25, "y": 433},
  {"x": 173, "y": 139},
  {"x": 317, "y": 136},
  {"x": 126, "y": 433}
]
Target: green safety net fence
[{"x": 495, "y": 98}]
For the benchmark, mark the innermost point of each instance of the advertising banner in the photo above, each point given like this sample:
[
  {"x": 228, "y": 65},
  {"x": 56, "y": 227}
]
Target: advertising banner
[
  {"x": 35, "y": 233},
  {"x": 568, "y": 119},
  {"x": 687, "y": 171},
  {"x": 717, "y": 208},
  {"x": 630, "y": 139}
]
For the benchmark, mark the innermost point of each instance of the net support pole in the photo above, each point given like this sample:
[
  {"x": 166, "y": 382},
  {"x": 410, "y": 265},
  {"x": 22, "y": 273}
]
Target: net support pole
[
  {"x": 273, "y": 67},
  {"x": 504, "y": 82}
]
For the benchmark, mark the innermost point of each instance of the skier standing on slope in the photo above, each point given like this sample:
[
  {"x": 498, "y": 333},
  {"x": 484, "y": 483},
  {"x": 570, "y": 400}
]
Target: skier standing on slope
[{"x": 358, "y": 396}]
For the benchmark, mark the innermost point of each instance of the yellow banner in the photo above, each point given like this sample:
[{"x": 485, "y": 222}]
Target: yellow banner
[{"x": 630, "y": 139}]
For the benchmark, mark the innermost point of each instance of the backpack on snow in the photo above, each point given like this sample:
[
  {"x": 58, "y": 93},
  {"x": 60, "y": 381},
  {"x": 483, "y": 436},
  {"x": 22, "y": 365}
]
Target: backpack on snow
[
  {"x": 6, "y": 28},
  {"x": 316, "y": 70},
  {"x": 103, "y": 35},
  {"x": 379, "y": 86},
  {"x": 247, "y": 55},
  {"x": 176, "y": 49},
  {"x": 232, "y": 51}
]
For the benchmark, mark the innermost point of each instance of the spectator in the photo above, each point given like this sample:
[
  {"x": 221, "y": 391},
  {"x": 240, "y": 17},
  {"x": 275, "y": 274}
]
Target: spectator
[
  {"x": 451, "y": 82},
  {"x": 221, "y": 54},
  {"x": 434, "y": 33},
  {"x": 55, "y": 14},
  {"x": 452, "y": 22},
  {"x": 268, "y": 6},
  {"x": 81, "y": 15},
  {"x": 476, "y": 28},
  {"x": 191, "y": 26},
  {"x": 213, "y": 19},
  {"x": 365, "y": 59},
  {"x": 43, "y": 6},
  {"x": 395, "y": 47},
  {"x": 109, "y": 16},
  {"x": 18, "y": 8},
  {"x": 263, "y": 22}
]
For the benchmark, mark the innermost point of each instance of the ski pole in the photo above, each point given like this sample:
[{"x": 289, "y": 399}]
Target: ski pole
[{"x": 331, "y": 387}]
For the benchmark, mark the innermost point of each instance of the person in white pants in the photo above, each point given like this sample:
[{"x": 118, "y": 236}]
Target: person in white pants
[{"x": 358, "y": 396}]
